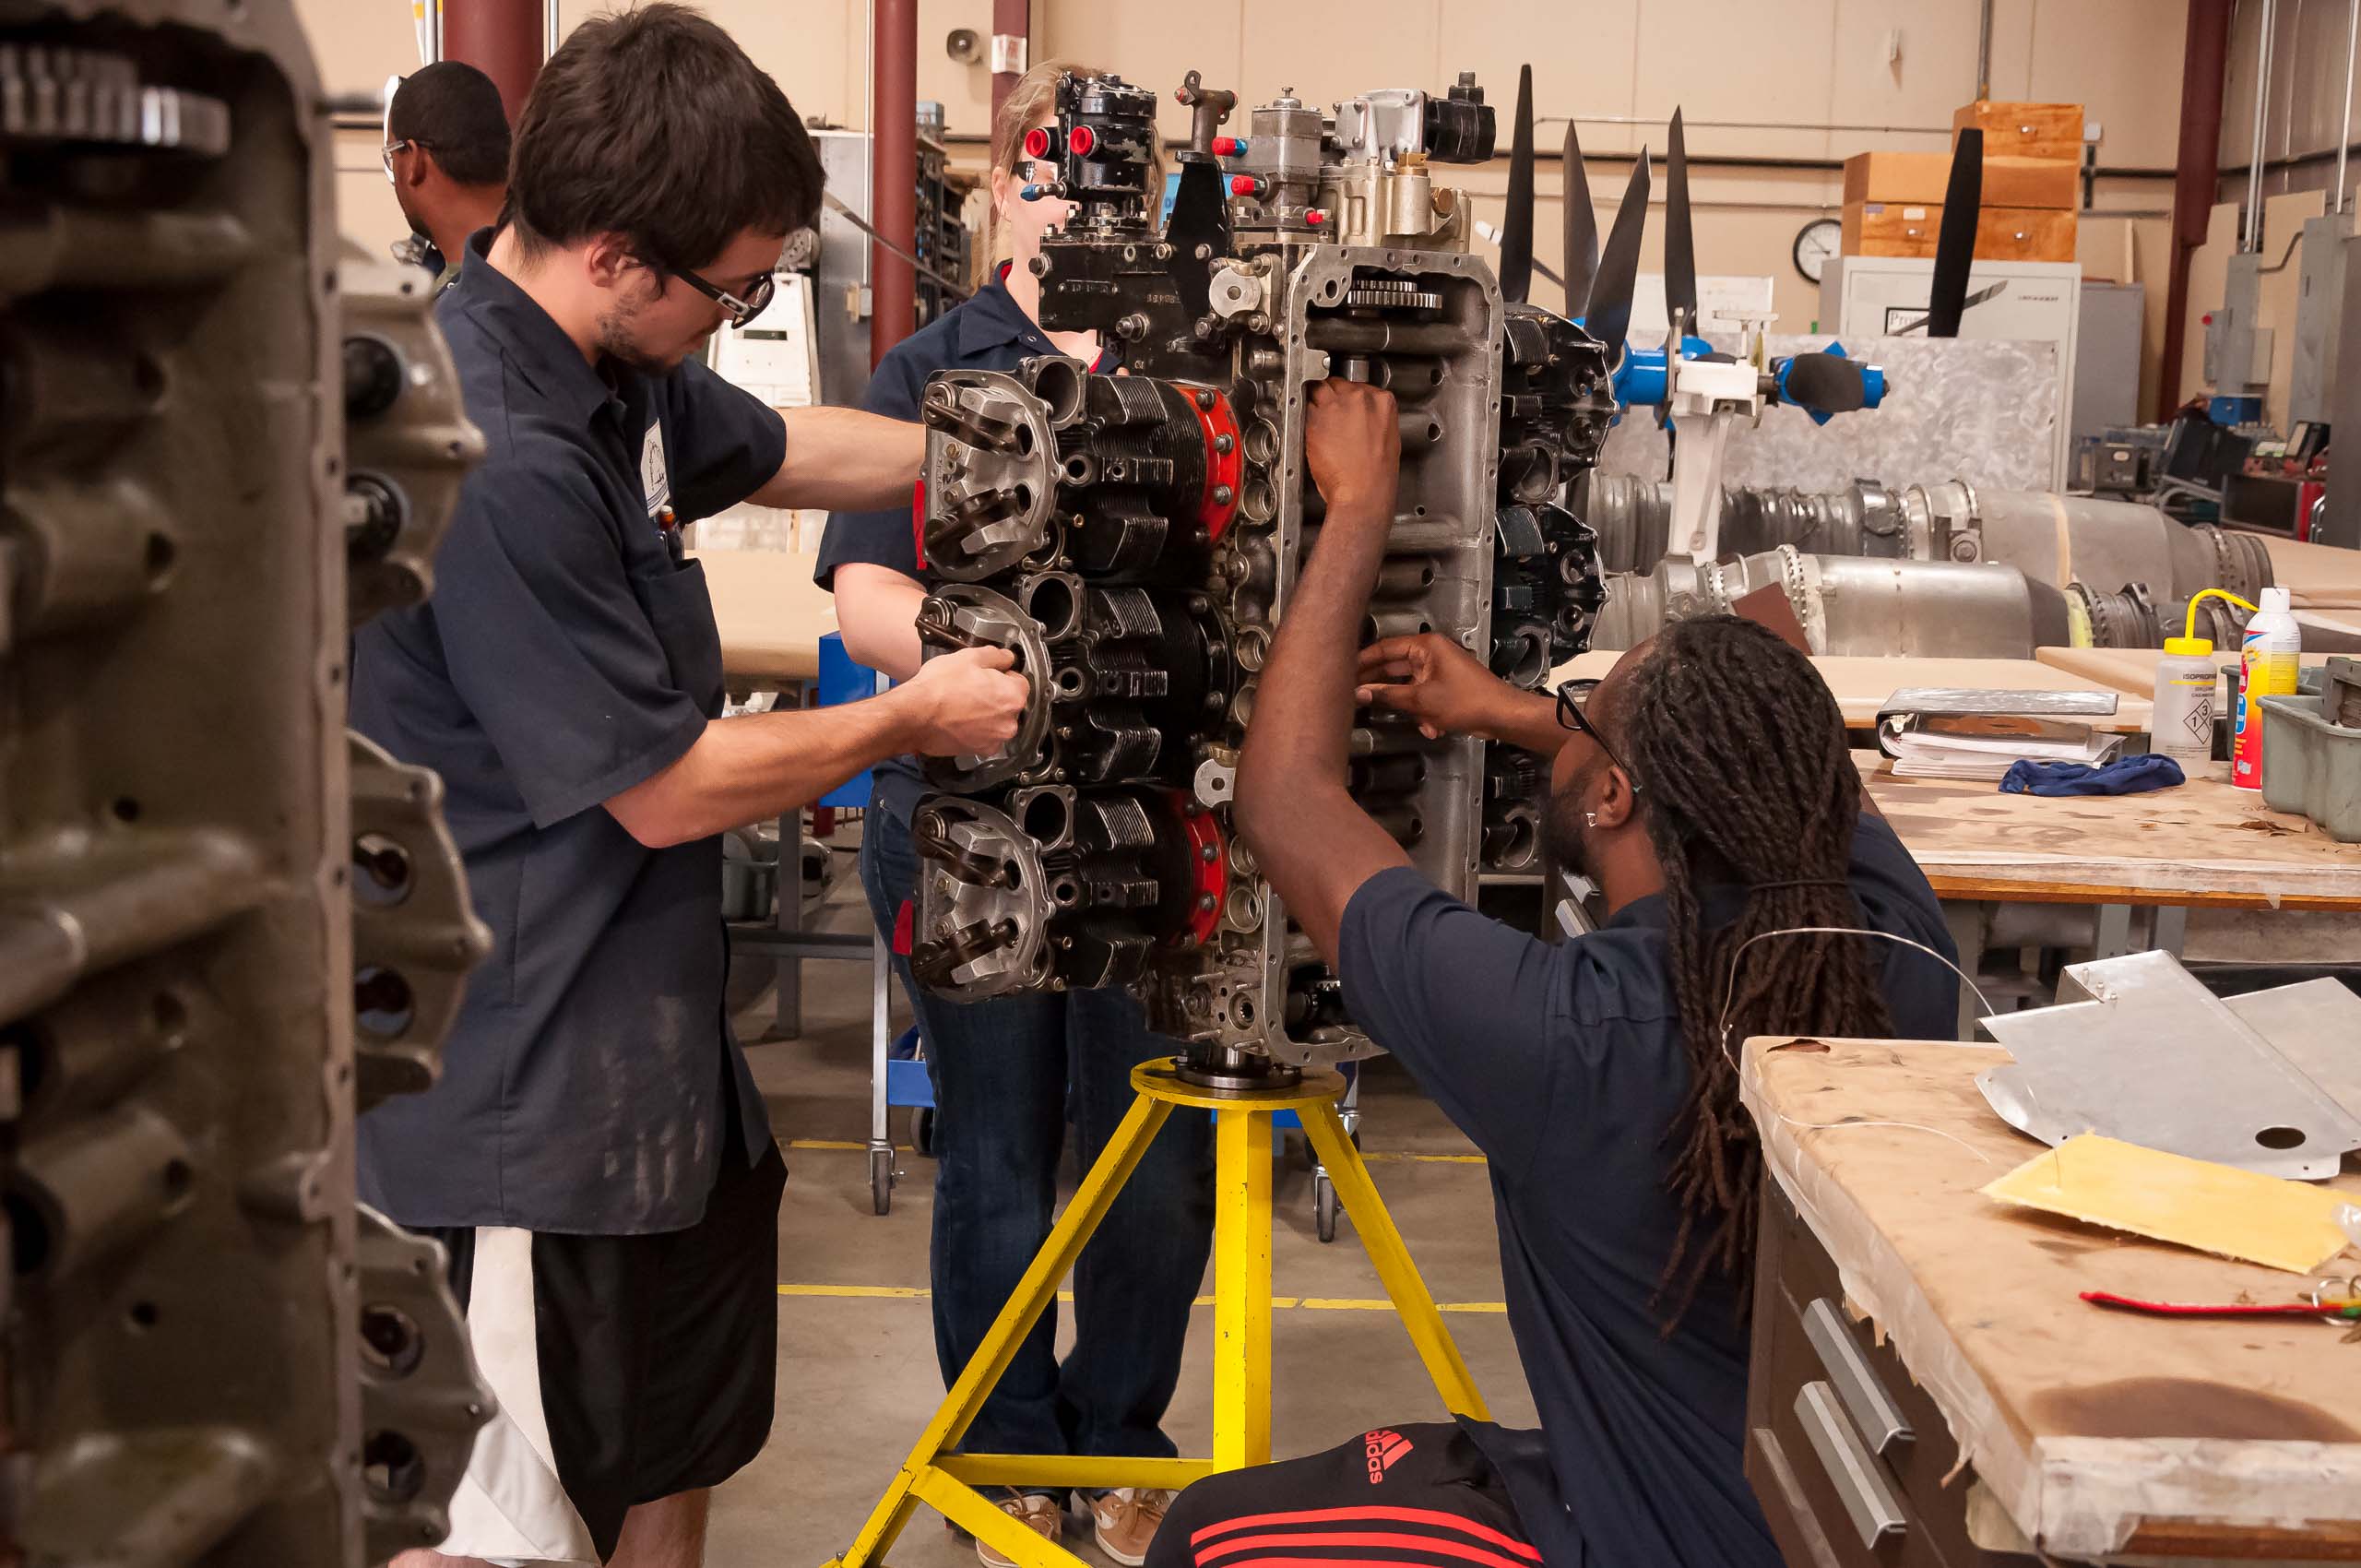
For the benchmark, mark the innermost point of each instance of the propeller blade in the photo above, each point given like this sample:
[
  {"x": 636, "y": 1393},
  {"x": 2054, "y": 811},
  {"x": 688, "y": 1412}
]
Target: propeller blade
[
  {"x": 1679, "y": 238},
  {"x": 1609, "y": 316},
  {"x": 1956, "y": 241},
  {"x": 1581, "y": 228},
  {"x": 1516, "y": 227}
]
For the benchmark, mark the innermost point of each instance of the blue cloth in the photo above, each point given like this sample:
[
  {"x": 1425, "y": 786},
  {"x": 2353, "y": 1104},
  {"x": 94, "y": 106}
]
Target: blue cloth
[
  {"x": 2124, "y": 776},
  {"x": 990, "y": 331},
  {"x": 1565, "y": 1064},
  {"x": 1006, "y": 1073},
  {"x": 590, "y": 1084}
]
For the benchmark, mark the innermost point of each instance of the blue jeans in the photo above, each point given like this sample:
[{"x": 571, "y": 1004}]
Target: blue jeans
[{"x": 1003, "y": 1071}]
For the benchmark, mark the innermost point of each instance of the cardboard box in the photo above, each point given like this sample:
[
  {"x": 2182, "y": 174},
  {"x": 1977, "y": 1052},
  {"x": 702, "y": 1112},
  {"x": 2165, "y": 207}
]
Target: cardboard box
[
  {"x": 2025, "y": 130},
  {"x": 1923, "y": 179}
]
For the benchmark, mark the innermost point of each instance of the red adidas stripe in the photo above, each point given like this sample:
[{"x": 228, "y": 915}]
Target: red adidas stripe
[
  {"x": 1320, "y": 1562},
  {"x": 1425, "y": 1546},
  {"x": 1388, "y": 1515}
]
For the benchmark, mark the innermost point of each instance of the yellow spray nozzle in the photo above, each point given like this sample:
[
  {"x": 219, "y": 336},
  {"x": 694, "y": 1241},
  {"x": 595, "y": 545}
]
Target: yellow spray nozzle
[{"x": 2190, "y": 642}]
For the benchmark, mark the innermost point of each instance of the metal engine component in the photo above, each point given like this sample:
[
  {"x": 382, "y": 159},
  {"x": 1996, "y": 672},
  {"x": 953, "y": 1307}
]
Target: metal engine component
[
  {"x": 1136, "y": 540},
  {"x": 191, "y": 1294},
  {"x": 408, "y": 440},
  {"x": 2127, "y": 571},
  {"x": 1853, "y": 604}
]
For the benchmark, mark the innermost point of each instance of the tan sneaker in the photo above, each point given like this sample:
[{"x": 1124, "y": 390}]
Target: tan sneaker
[
  {"x": 1040, "y": 1514},
  {"x": 1126, "y": 1520}
]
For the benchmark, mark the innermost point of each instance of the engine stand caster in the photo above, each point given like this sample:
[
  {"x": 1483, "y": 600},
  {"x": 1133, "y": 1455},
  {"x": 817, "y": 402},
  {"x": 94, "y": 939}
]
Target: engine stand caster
[{"x": 881, "y": 1178}]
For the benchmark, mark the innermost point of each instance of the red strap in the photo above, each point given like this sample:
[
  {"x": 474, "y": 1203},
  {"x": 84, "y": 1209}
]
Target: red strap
[
  {"x": 904, "y": 920},
  {"x": 917, "y": 521}
]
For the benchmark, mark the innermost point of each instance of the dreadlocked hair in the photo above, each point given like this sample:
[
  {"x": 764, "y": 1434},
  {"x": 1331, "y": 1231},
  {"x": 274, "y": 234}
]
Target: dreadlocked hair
[{"x": 1744, "y": 778}]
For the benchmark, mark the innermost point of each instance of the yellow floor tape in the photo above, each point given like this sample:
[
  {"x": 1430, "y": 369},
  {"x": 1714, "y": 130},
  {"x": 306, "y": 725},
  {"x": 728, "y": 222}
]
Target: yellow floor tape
[{"x": 1288, "y": 1303}]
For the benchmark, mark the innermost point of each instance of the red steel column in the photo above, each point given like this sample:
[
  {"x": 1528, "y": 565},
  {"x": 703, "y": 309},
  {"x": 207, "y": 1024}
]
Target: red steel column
[
  {"x": 1012, "y": 20},
  {"x": 2196, "y": 178},
  {"x": 500, "y": 38},
  {"x": 894, "y": 172}
]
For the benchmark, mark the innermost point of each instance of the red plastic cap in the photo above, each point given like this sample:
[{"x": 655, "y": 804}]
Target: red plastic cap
[
  {"x": 1037, "y": 142},
  {"x": 1228, "y": 147},
  {"x": 1315, "y": 218},
  {"x": 1244, "y": 184},
  {"x": 1082, "y": 141}
]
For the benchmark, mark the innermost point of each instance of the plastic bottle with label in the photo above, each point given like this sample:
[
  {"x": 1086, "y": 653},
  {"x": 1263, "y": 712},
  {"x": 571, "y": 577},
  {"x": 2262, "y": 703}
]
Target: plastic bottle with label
[
  {"x": 2182, "y": 728},
  {"x": 2267, "y": 665}
]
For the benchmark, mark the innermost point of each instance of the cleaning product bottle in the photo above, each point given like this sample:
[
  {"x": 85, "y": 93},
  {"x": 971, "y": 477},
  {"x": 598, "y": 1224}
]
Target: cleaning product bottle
[
  {"x": 2267, "y": 658},
  {"x": 2183, "y": 726}
]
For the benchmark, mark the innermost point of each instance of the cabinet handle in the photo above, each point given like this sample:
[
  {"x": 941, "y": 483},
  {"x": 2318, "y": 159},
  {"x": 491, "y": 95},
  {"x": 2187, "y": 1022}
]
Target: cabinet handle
[
  {"x": 1871, "y": 1504},
  {"x": 1872, "y": 1409}
]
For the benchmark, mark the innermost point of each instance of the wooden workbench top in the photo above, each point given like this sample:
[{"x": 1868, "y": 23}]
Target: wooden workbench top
[
  {"x": 2317, "y": 577},
  {"x": 2203, "y": 843},
  {"x": 2085, "y": 1424},
  {"x": 1862, "y": 683},
  {"x": 2132, "y": 671},
  {"x": 771, "y": 614}
]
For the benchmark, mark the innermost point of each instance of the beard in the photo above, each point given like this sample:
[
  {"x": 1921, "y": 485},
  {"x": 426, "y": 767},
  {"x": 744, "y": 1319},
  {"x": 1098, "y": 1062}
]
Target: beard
[
  {"x": 1565, "y": 837},
  {"x": 619, "y": 337}
]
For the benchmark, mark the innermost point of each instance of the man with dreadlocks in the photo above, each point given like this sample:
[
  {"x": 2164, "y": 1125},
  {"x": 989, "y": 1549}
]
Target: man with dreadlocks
[{"x": 1705, "y": 785}]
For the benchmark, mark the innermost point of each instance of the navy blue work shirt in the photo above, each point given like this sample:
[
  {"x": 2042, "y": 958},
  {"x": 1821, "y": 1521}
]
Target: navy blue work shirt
[
  {"x": 1565, "y": 1064},
  {"x": 568, "y": 653},
  {"x": 987, "y": 331}
]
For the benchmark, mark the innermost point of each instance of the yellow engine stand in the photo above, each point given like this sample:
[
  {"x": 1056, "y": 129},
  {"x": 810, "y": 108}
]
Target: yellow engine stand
[{"x": 947, "y": 1482}]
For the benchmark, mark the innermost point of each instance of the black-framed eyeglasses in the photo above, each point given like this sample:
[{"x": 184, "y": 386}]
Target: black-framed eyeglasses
[
  {"x": 740, "y": 312},
  {"x": 1571, "y": 696}
]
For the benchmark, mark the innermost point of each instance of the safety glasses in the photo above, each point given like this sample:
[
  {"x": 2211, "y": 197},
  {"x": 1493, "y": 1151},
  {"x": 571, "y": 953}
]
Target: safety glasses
[
  {"x": 740, "y": 312},
  {"x": 1572, "y": 696},
  {"x": 386, "y": 156}
]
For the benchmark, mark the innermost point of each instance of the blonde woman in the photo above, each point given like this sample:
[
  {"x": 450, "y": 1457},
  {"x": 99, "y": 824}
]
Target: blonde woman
[{"x": 1010, "y": 1074}]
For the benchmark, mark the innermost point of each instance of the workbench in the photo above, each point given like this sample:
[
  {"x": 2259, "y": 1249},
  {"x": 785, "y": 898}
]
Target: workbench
[
  {"x": 2317, "y": 577},
  {"x": 2132, "y": 671},
  {"x": 2205, "y": 843},
  {"x": 1862, "y": 683},
  {"x": 771, "y": 616},
  {"x": 1890, "y": 1293}
]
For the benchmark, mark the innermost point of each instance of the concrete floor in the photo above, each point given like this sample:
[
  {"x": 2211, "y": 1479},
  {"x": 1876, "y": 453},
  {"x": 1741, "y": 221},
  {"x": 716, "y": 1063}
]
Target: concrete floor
[{"x": 857, "y": 1373}]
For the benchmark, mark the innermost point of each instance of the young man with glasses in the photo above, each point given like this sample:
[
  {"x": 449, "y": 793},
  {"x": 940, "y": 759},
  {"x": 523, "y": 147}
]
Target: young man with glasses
[
  {"x": 1706, "y": 787},
  {"x": 447, "y": 156},
  {"x": 595, "y": 1155}
]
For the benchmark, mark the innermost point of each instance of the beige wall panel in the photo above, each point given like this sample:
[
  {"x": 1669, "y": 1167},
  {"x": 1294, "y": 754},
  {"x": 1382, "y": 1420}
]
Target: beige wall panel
[
  {"x": 1155, "y": 45},
  {"x": 1740, "y": 60},
  {"x": 2013, "y": 25},
  {"x": 1935, "y": 74},
  {"x": 1328, "y": 50},
  {"x": 359, "y": 44},
  {"x": 2120, "y": 60},
  {"x": 1581, "y": 56},
  {"x": 964, "y": 92},
  {"x": 366, "y": 209}
]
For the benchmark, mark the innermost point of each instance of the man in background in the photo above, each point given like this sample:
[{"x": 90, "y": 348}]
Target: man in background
[{"x": 446, "y": 153}]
